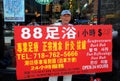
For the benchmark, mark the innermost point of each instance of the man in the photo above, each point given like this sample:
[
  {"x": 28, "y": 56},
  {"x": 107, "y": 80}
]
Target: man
[{"x": 65, "y": 19}]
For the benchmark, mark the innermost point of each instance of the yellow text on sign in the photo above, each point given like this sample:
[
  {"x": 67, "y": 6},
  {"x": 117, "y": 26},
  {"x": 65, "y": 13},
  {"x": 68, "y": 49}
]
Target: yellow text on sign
[{"x": 23, "y": 56}]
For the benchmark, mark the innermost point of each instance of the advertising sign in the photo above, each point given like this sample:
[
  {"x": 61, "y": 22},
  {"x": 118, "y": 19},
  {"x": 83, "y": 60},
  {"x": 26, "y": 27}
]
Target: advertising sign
[
  {"x": 14, "y": 10},
  {"x": 43, "y": 51}
]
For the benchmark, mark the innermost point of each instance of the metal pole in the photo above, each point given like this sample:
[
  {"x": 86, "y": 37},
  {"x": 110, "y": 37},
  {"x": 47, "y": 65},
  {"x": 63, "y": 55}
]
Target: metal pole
[
  {"x": 1, "y": 36},
  {"x": 98, "y": 13}
]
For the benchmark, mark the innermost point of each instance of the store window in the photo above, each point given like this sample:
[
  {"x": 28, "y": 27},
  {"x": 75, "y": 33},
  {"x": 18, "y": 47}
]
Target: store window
[{"x": 84, "y": 12}]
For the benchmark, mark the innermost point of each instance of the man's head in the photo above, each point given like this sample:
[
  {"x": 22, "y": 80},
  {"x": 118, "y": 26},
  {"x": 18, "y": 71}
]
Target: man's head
[{"x": 65, "y": 16}]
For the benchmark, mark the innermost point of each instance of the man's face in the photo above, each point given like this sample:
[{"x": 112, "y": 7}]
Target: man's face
[{"x": 65, "y": 18}]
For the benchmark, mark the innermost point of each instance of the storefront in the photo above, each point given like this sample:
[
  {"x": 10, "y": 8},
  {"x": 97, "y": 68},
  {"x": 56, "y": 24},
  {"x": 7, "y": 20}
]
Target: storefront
[{"x": 46, "y": 12}]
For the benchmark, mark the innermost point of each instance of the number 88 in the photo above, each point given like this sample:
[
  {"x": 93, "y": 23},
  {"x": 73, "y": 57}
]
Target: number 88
[{"x": 27, "y": 35}]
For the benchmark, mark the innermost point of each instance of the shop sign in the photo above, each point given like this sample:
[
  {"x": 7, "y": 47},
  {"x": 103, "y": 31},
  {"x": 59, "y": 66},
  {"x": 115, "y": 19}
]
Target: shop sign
[
  {"x": 43, "y": 1},
  {"x": 43, "y": 51}
]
